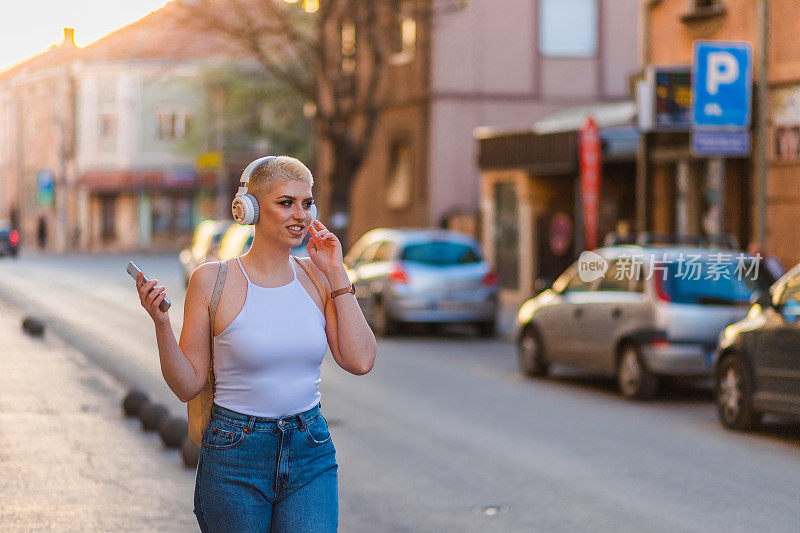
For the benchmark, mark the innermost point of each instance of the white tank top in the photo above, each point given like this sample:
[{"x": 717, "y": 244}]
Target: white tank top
[{"x": 267, "y": 361}]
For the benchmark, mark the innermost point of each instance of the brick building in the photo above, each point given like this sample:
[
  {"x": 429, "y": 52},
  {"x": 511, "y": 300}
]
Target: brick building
[{"x": 681, "y": 188}]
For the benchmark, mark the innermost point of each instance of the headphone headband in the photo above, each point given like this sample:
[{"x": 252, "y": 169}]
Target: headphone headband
[{"x": 248, "y": 171}]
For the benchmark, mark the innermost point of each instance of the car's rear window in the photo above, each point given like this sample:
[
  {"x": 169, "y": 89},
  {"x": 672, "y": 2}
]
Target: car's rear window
[
  {"x": 441, "y": 253},
  {"x": 713, "y": 282}
]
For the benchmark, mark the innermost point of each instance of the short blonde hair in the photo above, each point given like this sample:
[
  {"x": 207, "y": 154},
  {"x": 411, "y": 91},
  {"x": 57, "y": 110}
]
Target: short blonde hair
[{"x": 280, "y": 169}]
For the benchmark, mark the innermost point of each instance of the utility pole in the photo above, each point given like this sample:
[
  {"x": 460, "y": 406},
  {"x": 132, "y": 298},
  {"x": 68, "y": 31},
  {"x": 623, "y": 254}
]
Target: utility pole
[{"x": 761, "y": 121}]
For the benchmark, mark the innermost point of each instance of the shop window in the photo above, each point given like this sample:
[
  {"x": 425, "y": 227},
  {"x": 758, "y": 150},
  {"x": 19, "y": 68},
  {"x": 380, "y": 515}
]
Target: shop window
[
  {"x": 698, "y": 10},
  {"x": 108, "y": 212},
  {"x": 404, "y": 32},
  {"x": 172, "y": 214},
  {"x": 398, "y": 191},
  {"x": 161, "y": 214},
  {"x": 568, "y": 28},
  {"x": 183, "y": 214},
  {"x": 699, "y": 5},
  {"x": 348, "y": 46},
  {"x": 173, "y": 125},
  {"x": 107, "y": 131},
  {"x": 787, "y": 143},
  {"x": 506, "y": 237}
]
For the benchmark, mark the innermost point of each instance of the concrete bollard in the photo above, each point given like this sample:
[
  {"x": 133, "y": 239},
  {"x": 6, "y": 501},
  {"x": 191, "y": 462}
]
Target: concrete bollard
[
  {"x": 173, "y": 430},
  {"x": 190, "y": 453},
  {"x": 133, "y": 402},
  {"x": 151, "y": 414},
  {"x": 33, "y": 326}
]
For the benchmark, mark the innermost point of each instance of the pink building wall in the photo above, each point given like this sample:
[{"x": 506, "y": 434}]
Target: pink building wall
[{"x": 486, "y": 69}]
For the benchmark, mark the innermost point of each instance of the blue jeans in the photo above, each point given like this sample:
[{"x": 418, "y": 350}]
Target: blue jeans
[{"x": 267, "y": 474}]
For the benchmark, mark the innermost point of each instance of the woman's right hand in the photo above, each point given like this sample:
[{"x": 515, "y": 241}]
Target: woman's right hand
[{"x": 151, "y": 295}]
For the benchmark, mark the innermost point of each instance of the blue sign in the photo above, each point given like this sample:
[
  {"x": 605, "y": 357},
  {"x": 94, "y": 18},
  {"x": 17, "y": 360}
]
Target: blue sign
[
  {"x": 721, "y": 143},
  {"x": 722, "y": 84},
  {"x": 45, "y": 185}
]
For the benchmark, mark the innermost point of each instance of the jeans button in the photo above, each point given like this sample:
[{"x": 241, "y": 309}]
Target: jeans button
[{"x": 281, "y": 423}]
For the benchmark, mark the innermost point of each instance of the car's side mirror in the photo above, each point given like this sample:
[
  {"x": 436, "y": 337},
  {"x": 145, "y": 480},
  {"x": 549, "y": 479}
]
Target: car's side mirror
[{"x": 541, "y": 284}]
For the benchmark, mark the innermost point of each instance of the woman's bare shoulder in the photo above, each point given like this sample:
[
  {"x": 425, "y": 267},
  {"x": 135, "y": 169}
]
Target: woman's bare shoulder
[{"x": 203, "y": 279}]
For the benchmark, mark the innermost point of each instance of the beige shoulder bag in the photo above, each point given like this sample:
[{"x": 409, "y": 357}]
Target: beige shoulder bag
[{"x": 199, "y": 407}]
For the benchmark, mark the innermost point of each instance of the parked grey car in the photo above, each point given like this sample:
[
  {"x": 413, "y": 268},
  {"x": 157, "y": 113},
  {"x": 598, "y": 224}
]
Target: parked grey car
[
  {"x": 204, "y": 246},
  {"x": 654, "y": 311},
  {"x": 422, "y": 275}
]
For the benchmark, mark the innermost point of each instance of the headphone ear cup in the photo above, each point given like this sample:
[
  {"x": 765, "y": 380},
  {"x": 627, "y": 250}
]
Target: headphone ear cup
[
  {"x": 254, "y": 207},
  {"x": 245, "y": 209}
]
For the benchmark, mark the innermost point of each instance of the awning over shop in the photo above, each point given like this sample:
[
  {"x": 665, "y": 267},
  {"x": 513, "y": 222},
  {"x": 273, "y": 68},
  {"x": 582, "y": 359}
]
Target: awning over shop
[
  {"x": 572, "y": 119},
  {"x": 550, "y": 145},
  {"x": 145, "y": 180}
]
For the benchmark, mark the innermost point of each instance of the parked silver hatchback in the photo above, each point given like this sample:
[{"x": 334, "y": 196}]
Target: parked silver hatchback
[
  {"x": 423, "y": 276},
  {"x": 638, "y": 313}
]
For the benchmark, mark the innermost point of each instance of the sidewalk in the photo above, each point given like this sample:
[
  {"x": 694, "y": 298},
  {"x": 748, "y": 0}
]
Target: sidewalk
[{"x": 69, "y": 458}]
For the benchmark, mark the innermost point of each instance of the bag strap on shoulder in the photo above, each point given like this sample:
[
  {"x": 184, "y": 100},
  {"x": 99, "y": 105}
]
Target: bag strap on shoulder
[
  {"x": 322, "y": 292},
  {"x": 212, "y": 312}
]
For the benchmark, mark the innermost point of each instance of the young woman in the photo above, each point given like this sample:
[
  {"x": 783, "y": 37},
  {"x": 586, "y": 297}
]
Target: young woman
[{"x": 267, "y": 461}]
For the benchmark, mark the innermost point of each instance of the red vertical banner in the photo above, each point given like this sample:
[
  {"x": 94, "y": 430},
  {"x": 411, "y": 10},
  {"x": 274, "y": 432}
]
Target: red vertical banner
[{"x": 590, "y": 153}]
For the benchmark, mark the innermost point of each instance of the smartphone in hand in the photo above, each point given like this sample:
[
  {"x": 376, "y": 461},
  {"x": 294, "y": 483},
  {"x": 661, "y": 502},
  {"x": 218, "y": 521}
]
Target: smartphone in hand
[{"x": 134, "y": 270}]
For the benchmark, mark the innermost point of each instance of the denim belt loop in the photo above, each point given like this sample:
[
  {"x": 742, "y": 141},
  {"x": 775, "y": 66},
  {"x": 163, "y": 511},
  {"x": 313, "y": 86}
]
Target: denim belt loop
[
  {"x": 303, "y": 421},
  {"x": 251, "y": 422}
]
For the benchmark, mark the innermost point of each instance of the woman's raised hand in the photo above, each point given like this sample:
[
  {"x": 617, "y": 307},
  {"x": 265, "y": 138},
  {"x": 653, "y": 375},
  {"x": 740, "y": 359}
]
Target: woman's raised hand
[
  {"x": 151, "y": 295},
  {"x": 324, "y": 248}
]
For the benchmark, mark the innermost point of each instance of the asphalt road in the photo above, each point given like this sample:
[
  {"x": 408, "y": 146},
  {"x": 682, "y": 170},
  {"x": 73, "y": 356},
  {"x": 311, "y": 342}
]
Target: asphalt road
[{"x": 443, "y": 435}]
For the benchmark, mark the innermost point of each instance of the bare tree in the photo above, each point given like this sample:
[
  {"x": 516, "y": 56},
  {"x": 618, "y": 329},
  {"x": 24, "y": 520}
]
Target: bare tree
[{"x": 335, "y": 54}]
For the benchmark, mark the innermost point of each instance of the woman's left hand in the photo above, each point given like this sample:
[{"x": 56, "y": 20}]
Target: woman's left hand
[{"x": 324, "y": 248}]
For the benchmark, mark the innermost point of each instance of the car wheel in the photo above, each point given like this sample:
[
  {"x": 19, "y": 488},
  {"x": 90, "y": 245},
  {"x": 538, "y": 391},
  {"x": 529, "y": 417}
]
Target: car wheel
[
  {"x": 634, "y": 379},
  {"x": 734, "y": 395},
  {"x": 383, "y": 324},
  {"x": 530, "y": 354}
]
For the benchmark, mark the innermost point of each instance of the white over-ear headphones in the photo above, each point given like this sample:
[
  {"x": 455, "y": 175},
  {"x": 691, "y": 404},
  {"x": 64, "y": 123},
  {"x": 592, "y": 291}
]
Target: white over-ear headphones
[{"x": 245, "y": 205}]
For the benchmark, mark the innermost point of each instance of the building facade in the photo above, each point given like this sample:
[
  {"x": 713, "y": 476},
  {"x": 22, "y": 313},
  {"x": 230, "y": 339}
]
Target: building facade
[
  {"x": 531, "y": 194},
  {"x": 484, "y": 64},
  {"x": 688, "y": 194},
  {"x": 100, "y": 146},
  {"x": 783, "y": 152},
  {"x": 683, "y": 188},
  {"x": 37, "y": 147}
]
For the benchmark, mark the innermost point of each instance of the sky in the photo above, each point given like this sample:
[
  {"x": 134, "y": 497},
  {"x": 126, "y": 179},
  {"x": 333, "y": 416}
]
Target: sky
[{"x": 28, "y": 27}]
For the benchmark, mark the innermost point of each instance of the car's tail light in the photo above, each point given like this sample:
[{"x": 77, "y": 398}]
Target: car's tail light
[
  {"x": 398, "y": 275},
  {"x": 13, "y": 237},
  {"x": 661, "y": 294},
  {"x": 659, "y": 343},
  {"x": 490, "y": 279}
]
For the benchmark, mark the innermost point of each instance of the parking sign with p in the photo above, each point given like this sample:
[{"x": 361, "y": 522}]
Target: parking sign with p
[{"x": 722, "y": 84}]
